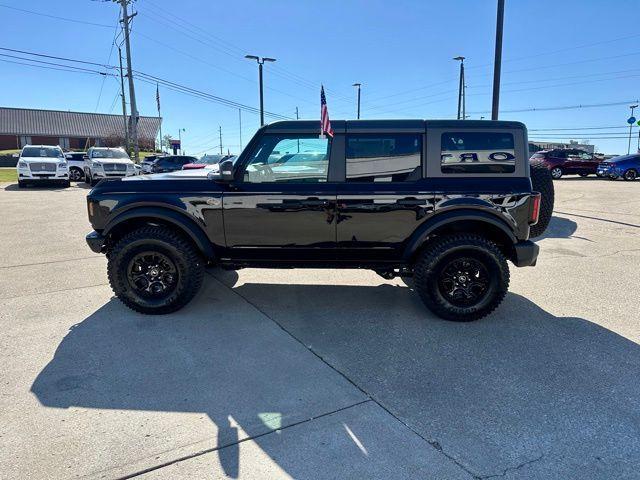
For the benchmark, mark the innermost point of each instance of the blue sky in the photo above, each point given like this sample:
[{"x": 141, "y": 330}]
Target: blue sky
[{"x": 556, "y": 53}]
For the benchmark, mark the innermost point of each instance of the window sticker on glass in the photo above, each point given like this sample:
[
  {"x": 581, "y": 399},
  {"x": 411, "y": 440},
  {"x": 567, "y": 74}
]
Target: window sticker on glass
[{"x": 477, "y": 152}]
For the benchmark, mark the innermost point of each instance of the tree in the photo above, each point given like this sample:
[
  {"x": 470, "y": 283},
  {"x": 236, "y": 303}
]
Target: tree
[{"x": 166, "y": 142}]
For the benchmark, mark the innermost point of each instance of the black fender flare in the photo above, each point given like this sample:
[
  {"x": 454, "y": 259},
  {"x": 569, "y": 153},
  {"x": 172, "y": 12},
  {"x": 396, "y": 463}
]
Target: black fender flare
[
  {"x": 444, "y": 218},
  {"x": 166, "y": 215}
]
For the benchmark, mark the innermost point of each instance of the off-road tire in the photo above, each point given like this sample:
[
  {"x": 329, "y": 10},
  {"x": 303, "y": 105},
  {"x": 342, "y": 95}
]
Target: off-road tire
[
  {"x": 542, "y": 182},
  {"x": 188, "y": 262},
  {"x": 436, "y": 255}
]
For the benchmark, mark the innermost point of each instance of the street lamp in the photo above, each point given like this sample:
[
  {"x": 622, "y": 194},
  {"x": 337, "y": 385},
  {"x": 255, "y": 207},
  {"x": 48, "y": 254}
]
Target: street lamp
[
  {"x": 260, "y": 61},
  {"x": 631, "y": 120},
  {"x": 461, "y": 95},
  {"x": 358, "y": 85}
]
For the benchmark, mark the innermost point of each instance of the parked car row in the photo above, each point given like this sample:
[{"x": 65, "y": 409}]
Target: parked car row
[{"x": 561, "y": 162}]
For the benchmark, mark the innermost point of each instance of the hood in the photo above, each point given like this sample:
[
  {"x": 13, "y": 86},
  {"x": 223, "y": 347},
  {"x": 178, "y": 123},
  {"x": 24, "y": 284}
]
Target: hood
[{"x": 200, "y": 173}]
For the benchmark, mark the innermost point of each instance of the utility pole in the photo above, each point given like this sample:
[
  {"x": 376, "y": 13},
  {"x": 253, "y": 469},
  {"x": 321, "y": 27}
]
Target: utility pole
[
  {"x": 298, "y": 118},
  {"x": 631, "y": 121},
  {"x": 220, "y": 131},
  {"x": 124, "y": 103},
  {"x": 180, "y": 130},
  {"x": 260, "y": 61},
  {"x": 132, "y": 93},
  {"x": 497, "y": 64},
  {"x": 358, "y": 85},
  {"x": 240, "y": 120},
  {"x": 461, "y": 90}
]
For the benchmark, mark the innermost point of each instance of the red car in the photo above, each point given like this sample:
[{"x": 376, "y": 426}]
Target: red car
[
  {"x": 567, "y": 161},
  {"x": 206, "y": 160}
]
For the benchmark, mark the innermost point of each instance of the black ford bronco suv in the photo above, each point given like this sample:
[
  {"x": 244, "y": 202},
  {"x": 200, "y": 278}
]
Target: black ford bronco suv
[{"x": 445, "y": 202}]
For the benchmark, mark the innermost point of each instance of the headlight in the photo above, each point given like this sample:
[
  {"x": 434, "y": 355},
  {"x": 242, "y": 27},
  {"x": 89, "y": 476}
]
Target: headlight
[
  {"x": 22, "y": 165},
  {"x": 62, "y": 165},
  {"x": 96, "y": 165},
  {"x": 130, "y": 167}
]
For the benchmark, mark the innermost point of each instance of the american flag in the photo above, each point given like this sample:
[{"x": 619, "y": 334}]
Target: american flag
[{"x": 325, "y": 123}]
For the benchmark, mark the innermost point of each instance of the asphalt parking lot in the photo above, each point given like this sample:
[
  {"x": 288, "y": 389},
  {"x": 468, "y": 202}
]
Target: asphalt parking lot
[{"x": 321, "y": 373}]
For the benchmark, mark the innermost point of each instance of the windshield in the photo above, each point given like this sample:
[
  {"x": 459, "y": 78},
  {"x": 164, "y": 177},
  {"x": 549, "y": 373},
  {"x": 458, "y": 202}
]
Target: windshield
[
  {"x": 108, "y": 153},
  {"x": 42, "y": 152}
]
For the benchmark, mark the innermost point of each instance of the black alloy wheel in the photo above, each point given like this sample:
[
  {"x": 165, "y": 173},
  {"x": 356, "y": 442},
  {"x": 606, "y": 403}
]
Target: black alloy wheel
[
  {"x": 630, "y": 175},
  {"x": 464, "y": 281},
  {"x": 152, "y": 274}
]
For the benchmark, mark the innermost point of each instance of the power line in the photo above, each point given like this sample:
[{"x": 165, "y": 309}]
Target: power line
[
  {"x": 57, "y": 58},
  {"x": 68, "y": 67},
  {"x": 64, "y": 19},
  {"x": 565, "y": 107},
  {"x": 145, "y": 76}
]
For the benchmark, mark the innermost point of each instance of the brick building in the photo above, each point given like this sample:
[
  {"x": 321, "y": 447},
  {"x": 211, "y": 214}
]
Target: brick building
[{"x": 70, "y": 130}]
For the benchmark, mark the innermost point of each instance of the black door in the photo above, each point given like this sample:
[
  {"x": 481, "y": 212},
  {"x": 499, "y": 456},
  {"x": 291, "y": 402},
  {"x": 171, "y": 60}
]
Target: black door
[
  {"x": 282, "y": 200},
  {"x": 383, "y": 199}
]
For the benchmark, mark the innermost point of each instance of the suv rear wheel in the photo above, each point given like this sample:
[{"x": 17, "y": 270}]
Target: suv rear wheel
[
  {"x": 154, "y": 270},
  {"x": 462, "y": 277}
]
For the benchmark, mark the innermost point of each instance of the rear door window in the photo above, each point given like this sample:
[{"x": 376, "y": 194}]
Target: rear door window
[
  {"x": 477, "y": 152},
  {"x": 393, "y": 157}
]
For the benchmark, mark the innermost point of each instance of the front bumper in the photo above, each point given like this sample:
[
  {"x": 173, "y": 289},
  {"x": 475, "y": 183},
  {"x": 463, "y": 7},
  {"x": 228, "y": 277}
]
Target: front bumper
[
  {"x": 95, "y": 241},
  {"x": 60, "y": 175},
  {"x": 525, "y": 254}
]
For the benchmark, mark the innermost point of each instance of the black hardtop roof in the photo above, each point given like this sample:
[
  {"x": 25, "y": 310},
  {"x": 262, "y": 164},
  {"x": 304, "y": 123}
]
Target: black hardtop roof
[{"x": 342, "y": 125}]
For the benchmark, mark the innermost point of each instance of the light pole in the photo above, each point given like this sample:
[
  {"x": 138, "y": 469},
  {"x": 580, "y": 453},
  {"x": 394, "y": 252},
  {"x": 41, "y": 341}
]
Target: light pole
[
  {"x": 497, "y": 63},
  {"x": 461, "y": 102},
  {"x": 260, "y": 61},
  {"x": 358, "y": 85},
  {"x": 631, "y": 120},
  {"x": 180, "y": 130}
]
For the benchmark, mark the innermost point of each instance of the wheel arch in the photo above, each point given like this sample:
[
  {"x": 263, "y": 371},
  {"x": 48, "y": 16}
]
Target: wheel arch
[
  {"x": 140, "y": 216},
  {"x": 463, "y": 221}
]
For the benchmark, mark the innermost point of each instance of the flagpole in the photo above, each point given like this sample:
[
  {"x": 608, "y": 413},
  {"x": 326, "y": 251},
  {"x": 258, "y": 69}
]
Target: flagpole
[{"x": 159, "y": 116}]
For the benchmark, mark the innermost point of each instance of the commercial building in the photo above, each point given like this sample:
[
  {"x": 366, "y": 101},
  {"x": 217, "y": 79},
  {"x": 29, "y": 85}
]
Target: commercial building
[{"x": 70, "y": 130}]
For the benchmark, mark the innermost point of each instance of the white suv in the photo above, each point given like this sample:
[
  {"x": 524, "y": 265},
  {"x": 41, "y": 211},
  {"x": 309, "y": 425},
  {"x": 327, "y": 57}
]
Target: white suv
[
  {"x": 42, "y": 163},
  {"x": 104, "y": 162}
]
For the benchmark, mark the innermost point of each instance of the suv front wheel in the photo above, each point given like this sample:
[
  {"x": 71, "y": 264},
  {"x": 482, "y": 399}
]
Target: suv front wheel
[
  {"x": 154, "y": 270},
  {"x": 462, "y": 277}
]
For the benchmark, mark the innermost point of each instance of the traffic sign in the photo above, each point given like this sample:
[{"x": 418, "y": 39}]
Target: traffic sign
[
  {"x": 176, "y": 143},
  {"x": 631, "y": 120}
]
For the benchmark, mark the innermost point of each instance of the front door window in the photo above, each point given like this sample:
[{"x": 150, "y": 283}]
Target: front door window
[{"x": 288, "y": 159}]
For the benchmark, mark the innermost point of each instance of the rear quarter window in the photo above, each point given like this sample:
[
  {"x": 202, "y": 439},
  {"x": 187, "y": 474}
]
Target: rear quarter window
[{"x": 477, "y": 152}]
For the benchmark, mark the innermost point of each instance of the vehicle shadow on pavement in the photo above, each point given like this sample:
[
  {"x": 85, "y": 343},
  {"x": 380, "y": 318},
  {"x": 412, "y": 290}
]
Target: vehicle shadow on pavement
[
  {"x": 48, "y": 187},
  {"x": 559, "y": 227},
  {"x": 517, "y": 387}
]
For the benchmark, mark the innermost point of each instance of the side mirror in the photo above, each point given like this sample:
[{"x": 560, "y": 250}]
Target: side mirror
[{"x": 224, "y": 174}]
